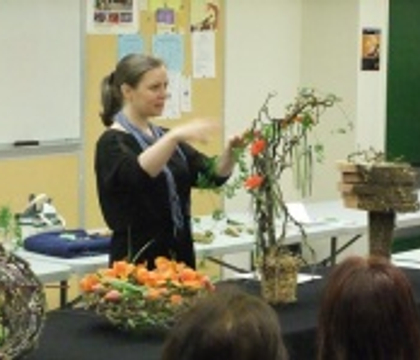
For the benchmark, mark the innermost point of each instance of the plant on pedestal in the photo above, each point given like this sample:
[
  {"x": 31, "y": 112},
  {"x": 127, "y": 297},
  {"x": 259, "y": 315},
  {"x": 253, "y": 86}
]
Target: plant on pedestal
[{"x": 382, "y": 188}]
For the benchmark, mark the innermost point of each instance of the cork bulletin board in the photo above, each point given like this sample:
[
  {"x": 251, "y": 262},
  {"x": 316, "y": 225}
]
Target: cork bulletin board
[{"x": 206, "y": 92}]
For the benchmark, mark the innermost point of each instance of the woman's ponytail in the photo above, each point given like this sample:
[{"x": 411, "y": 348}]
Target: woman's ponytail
[{"x": 111, "y": 100}]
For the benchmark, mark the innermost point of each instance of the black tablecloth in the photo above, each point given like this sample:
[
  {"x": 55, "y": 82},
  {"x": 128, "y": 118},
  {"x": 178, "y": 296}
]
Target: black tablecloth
[{"x": 80, "y": 335}]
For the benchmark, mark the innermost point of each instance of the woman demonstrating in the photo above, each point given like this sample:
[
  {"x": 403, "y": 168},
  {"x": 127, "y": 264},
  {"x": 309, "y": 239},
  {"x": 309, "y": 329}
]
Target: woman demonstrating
[{"x": 144, "y": 173}]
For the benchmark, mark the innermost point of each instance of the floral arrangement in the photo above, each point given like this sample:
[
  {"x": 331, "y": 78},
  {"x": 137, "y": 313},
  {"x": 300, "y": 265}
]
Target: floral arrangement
[
  {"x": 273, "y": 146},
  {"x": 135, "y": 298}
]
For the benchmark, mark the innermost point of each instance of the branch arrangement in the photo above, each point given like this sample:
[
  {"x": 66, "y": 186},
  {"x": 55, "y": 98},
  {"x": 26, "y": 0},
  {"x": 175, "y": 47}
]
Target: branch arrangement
[{"x": 276, "y": 145}]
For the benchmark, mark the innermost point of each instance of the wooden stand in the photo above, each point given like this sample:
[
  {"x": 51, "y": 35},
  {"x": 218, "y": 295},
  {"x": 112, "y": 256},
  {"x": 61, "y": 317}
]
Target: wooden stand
[{"x": 382, "y": 189}]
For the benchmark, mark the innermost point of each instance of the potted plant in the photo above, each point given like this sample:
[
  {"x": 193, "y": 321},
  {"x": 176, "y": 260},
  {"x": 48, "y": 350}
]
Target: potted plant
[
  {"x": 382, "y": 188},
  {"x": 276, "y": 146}
]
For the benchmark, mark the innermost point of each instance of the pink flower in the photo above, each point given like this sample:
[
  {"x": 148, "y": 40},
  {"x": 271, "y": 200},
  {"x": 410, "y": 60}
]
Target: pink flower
[{"x": 113, "y": 295}]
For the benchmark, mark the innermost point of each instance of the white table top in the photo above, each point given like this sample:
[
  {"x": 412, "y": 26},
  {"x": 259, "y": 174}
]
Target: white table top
[
  {"x": 334, "y": 209},
  {"x": 329, "y": 218},
  {"x": 78, "y": 266},
  {"x": 224, "y": 243},
  {"x": 49, "y": 272}
]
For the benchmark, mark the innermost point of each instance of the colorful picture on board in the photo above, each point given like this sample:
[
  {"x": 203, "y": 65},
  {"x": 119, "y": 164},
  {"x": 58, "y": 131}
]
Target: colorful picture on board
[
  {"x": 112, "y": 16},
  {"x": 371, "y": 47},
  {"x": 113, "y": 5},
  {"x": 204, "y": 15}
]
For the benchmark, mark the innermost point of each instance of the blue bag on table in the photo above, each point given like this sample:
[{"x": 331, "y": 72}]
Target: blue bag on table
[{"x": 67, "y": 243}]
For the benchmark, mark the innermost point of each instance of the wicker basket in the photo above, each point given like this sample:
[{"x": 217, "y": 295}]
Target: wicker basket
[
  {"x": 22, "y": 304},
  {"x": 279, "y": 274}
]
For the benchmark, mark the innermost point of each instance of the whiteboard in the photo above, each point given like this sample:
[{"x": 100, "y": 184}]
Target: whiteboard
[{"x": 40, "y": 70}]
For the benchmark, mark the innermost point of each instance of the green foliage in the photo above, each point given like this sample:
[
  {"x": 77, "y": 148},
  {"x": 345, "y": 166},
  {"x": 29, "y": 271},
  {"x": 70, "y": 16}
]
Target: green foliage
[
  {"x": 9, "y": 227},
  {"x": 206, "y": 178}
]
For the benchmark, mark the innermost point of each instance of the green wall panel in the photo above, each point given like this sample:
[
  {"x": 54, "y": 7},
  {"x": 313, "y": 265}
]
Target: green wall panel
[{"x": 403, "y": 98}]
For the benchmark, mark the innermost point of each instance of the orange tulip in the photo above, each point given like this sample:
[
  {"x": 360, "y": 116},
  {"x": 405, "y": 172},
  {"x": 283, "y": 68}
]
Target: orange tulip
[
  {"x": 193, "y": 284},
  {"x": 187, "y": 274},
  {"x": 176, "y": 299},
  {"x": 109, "y": 273},
  {"x": 161, "y": 262},
  {"x": 123, "y": 269},
  {"x": 253, "y": 182},
  {"x": 88, "y": 282},
  {"x": 141, "y": 274},
  {"x": 153, "y": 294}
]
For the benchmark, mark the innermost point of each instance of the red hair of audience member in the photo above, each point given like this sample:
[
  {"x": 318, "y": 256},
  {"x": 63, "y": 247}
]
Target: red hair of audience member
[
  {"x": 228, "y": 325},
  {"x": 368, "y": 312}
]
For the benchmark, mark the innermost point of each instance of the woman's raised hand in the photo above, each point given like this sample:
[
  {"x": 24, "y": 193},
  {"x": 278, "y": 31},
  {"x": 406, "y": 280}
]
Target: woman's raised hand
[{"x": 197, "y": 130}]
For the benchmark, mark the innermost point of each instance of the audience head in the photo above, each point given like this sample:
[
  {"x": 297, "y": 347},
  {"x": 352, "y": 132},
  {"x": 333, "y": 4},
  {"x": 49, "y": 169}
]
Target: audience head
[
  {"x": 129, "y": 71},
  {"x": 228, "y": 325},
  {"x": 368, "y": 312}
]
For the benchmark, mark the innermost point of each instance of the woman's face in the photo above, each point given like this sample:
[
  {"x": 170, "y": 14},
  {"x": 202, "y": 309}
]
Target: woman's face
[{"x": 147, "y": 99}]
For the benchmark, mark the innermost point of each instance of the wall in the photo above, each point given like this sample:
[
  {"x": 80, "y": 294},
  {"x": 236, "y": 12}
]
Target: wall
[
  {"x": 262, "y": 55},
  {"x": 56, "y": 175},
  {"x": 331, "y": 53},
  {"x": 372, "y": 85},
  {"x": 328, "y": 53}
]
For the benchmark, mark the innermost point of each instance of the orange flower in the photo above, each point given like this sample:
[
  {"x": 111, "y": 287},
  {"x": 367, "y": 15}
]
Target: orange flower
[
  {"x": 193, "y": 284},
  {"x": 258, "y": 146},
  {"x": 123, "y": 269},
  {"x": 141, "y": 274},
  {"x": 176, "y": 299},
  {"x": 188, "y": 274},
  {"x": 153, "y": 294},
  {"x": 162, "y": 262},
  {"x": 253, "y": 182},
  {"x": 109, "y": 272},
  {"x": 88, "y": 282}
]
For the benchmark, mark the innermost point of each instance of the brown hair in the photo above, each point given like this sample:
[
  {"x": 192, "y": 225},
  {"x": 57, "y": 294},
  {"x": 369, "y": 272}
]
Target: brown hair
[
  {"x": 229, "y": 325},
  {"x": 368, "y": 312},
  {"x": 130, "y": 71}
]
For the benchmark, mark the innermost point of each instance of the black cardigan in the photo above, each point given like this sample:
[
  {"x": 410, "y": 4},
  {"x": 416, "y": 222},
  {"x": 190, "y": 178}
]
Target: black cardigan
[{"x": 135, "y": 206}]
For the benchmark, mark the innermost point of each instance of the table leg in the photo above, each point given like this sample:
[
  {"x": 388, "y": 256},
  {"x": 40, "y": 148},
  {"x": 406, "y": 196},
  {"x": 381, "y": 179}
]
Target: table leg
[
  {"x": 333, "y": 250},
  {"x": 227, "y": 265},
  {"x": 63, "y": 293},
  {"x": 331, "y": 260}
]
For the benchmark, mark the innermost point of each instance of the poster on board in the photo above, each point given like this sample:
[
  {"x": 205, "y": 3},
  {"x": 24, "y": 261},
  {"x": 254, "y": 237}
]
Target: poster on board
[
  {"x": 112, "y": 16},
  {"x": 371, "y": 46},
  {"x": 204, "y": 15}
]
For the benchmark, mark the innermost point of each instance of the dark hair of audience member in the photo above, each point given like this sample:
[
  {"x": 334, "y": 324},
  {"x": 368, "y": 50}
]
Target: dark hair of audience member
[
  {"x": 368, "y": 312},
  {"x": 228, "y": 325}
]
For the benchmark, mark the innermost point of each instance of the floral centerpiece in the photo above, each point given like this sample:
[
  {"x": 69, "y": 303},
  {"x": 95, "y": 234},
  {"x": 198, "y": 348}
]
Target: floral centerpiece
[
  {"x": 142, "y": 300},
  {"x": 275, "y": 146}
]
